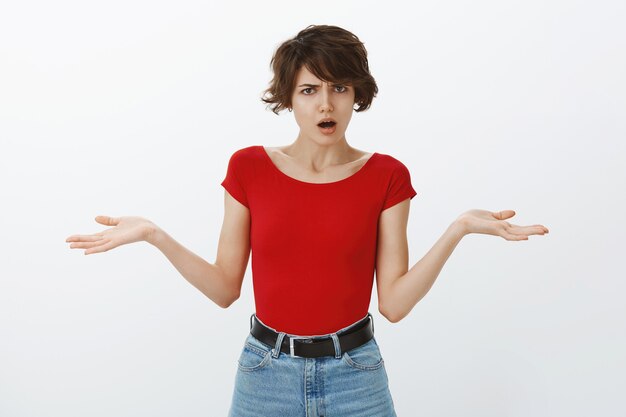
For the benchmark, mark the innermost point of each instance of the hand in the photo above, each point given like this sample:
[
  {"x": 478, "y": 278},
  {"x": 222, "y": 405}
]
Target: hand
[
  {"x": 128, "y": 229},
  {"x": 488, "y": 223}
]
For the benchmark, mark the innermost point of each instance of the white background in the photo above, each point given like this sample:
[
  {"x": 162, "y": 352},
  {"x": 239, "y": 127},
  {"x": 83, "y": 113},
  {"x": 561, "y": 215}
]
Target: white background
[{"x": 134, "y": 107}]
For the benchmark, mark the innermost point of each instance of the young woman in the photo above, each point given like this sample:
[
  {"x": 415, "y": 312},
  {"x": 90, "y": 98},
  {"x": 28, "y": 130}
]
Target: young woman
[{"x": 319, "y": 216}]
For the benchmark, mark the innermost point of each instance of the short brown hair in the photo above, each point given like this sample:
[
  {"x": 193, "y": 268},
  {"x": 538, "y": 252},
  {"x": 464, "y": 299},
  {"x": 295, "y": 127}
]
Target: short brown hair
[{"x": 332, "y": 54}]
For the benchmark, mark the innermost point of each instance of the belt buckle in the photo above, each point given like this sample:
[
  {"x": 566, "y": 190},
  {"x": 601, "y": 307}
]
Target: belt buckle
[{"x": 291, "y": 350}]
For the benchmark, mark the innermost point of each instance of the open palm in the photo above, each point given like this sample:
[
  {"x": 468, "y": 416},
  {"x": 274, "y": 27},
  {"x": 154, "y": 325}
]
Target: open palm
[
  {"x": 493, "y": 223},
  {"x": 127, "y": 229}
]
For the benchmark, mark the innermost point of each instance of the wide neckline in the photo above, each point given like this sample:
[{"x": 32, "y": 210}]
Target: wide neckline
[{"x": 269, "y": 160}]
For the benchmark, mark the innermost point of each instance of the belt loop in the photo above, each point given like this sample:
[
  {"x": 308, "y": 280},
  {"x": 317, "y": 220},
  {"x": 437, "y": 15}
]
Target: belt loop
[
  {"x": 279, "y": 343},
  {"x": 251, "y": 320},
  {"x": 371, "y": 320},
  {"x": 337, "y": 345}
]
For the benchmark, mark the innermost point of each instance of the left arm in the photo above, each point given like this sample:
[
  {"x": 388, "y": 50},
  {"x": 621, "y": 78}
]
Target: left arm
[{"x": 400, "y": 289}]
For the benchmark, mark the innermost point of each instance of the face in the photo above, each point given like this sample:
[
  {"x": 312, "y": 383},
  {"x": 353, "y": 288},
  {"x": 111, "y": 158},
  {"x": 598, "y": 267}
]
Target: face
[{"x": 313, "y": 100}]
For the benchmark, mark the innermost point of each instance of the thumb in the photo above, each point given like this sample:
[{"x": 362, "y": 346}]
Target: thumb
[
  {"x": 109, "y": 221},
  {"x": 504, "y": 214}
]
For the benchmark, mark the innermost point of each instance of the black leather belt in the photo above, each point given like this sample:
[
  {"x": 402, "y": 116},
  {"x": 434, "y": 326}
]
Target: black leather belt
[{"x": 309, "y": 347}]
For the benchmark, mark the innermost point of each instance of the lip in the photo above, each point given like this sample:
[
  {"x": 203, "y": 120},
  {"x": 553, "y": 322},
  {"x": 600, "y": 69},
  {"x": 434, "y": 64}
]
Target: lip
[
  {"x": 328, "y": 130},
  {"x": 327, "y": 119}
]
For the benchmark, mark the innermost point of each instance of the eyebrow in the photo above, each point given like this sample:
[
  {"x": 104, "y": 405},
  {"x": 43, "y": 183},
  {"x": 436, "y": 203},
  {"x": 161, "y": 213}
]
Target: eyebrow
[{"x": 315, "y": 85}]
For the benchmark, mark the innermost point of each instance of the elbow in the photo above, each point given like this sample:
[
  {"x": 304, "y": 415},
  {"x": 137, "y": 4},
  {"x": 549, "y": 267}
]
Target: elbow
[
  {"x": 229, "y": 301},
  {"x": 389, "y": 315},
  {"x": 227, "y": 292},
  {"x": 394, "y": 319}
]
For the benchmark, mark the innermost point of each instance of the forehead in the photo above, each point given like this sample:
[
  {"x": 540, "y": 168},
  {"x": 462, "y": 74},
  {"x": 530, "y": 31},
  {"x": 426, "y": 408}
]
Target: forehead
[{"x": 304, "y": 75}]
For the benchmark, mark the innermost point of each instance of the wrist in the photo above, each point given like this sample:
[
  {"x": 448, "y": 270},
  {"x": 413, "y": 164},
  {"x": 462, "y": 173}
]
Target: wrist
[
  {"x": 153, "y": 234},
  {"x": 459, "y": 227}
]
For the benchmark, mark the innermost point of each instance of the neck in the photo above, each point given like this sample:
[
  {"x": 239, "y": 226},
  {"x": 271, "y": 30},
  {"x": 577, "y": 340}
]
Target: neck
[{"x": 318, "y": 156}]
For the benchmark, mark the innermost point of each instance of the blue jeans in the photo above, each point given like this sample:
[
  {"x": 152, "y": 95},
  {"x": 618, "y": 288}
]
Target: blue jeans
[{"x": 271, "y": 383}]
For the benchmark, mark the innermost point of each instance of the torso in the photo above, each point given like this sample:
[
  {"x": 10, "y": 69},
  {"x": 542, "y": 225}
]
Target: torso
[{"x": 288, "y": 166}]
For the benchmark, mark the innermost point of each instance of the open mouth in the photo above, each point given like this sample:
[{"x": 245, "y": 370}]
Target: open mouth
[{"x": 327, "y": 125}]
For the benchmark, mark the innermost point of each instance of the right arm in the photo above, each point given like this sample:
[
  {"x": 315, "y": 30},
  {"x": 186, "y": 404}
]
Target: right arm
[{"x": 222, "y": 280}]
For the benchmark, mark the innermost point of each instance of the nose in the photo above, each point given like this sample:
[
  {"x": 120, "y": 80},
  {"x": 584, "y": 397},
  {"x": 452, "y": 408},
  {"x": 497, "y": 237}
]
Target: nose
[{"x": 325, "y": 105}]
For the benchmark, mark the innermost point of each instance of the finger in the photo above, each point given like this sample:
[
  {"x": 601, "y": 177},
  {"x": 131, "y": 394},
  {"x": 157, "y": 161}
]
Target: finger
[
  {"x": 109, "y": 221},
  {"x": 510, "y": 236},
  {"x": 100, "y": 248},
  {"x": 504, "y": 214},
  {"x": 84, "y": 238},
  {"x": 84, "y": 245},
  {"x": 527, "y": 230},
  {"x": 539, "y": 227}
]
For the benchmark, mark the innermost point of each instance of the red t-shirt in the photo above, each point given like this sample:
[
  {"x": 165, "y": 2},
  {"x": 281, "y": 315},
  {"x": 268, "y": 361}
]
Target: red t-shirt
[{"x": 313, "y": 245}]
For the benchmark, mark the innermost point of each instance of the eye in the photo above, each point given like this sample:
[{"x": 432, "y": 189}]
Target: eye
[
  {"x": 303, "y": 91},
  {"x": 344, "y": 88}
]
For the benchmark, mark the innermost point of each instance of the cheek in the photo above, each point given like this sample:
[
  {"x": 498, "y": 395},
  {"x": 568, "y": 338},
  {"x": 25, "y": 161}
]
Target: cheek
[
  {"x": 302, "y": 119},
  {"x": 300, "y": 104}
]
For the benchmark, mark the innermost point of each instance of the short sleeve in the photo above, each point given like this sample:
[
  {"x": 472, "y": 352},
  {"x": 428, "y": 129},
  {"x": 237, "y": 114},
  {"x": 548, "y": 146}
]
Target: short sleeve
[
  {"x": 232, "y": 182},
  {"x": 400, "y": 187}
]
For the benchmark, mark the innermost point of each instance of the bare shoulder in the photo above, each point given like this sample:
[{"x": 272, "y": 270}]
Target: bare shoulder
[{"x": 362, "y": 155}]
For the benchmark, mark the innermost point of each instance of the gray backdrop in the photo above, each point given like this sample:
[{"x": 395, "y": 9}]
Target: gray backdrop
[{"x": 134, "y": 107}]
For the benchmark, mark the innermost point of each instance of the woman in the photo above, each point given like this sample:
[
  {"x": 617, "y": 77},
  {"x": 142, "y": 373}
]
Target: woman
[{"x": 320, "y": 216}]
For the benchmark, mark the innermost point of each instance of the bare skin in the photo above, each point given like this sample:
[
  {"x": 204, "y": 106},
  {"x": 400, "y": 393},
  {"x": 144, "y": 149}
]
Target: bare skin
[
  {"x": 488, "y": 223},
  {"x": 289, "y": 166},
  {"x": 127, "y": 229},
  {"x": 401, "y": 288}
]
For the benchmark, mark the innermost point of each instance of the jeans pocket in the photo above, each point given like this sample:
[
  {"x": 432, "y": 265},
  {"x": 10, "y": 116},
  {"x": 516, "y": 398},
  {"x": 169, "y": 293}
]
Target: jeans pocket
[
  {"x": 366, "y": 357},
  {"x": 254, "y": 356}
]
